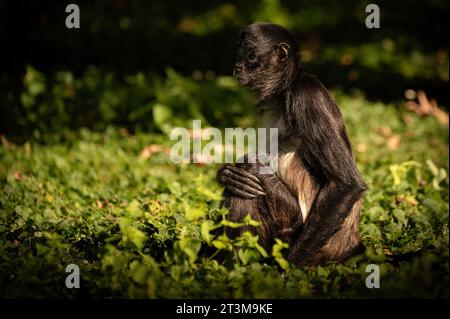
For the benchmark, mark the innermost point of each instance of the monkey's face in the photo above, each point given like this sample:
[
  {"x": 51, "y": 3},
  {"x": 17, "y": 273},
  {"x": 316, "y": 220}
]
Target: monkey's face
[
  {"x": 254, "y": 59},
  {"x": 246, "y": 63},
  {"x": 265, "y": 58}
]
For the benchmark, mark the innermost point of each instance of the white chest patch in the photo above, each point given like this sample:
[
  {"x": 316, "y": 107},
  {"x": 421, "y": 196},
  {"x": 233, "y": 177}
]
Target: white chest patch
[
  {"x": 287, "y": 166},
  {"x": 298, "y": 181}
]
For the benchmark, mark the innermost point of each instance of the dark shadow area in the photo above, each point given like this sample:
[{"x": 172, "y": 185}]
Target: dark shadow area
[{"x": 197, "y": 39}]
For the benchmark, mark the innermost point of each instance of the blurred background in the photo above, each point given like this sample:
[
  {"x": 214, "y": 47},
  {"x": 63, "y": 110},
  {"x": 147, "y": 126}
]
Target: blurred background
[{"x": 122, "y": 67}]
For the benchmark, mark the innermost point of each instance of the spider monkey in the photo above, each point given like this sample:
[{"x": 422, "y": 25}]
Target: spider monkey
[{"x": 314, "y": 198}]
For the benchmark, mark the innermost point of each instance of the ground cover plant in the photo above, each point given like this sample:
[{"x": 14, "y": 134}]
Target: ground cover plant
[{"x": 108, "y": 199}]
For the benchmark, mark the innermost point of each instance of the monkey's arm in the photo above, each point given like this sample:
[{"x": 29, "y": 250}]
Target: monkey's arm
[
  {"x": 280, "y": 209},
  {"x": 325, "y": 151},
  {"x": 284, "y": 208}
]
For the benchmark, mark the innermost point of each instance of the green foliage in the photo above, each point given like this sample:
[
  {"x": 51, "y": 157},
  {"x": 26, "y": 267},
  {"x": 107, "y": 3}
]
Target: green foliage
[
  {"x": 139, "y": 102},
  {"x": 77, "y": 188},
  {"x": 142, "y": 226}
]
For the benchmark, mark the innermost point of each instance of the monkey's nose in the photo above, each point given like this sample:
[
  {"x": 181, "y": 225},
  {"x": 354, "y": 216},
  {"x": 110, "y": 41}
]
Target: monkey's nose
[{"x": 237, "y": 68}]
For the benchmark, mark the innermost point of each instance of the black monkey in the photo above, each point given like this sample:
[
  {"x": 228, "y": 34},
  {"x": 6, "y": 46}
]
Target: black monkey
[{"x": 314, "y": 199}]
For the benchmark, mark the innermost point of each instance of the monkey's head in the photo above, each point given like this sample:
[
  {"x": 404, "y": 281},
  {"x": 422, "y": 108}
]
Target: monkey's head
[{"x": 266, "y": 60}]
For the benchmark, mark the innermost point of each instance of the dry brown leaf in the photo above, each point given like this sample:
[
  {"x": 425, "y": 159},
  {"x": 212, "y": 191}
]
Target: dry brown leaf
[
  {"x": 384, "y": 131},
  {"x": 151, "y": 149},
  {"x": 361, "y": 148},
  {"x": 101, "y": 204},
  {"x": 17, "y": 175},
  {"x": 6, "y": 143},
  {"x": 124, "y": 132},
  {"x": 393, "y": 142},
  {"x": 201, "y": 159},
  {"x": 425, "y": 107},
  {"x": 408, "y": 119}
]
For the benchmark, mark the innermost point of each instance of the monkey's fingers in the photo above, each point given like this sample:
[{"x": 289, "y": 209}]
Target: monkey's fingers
[
  {"x": 242, "y": 172},
  {"x": 243, "y": 183},
  {"x": 240, "y": 192},
  {"x": 242, "y": 180},
  {"x": 241, "y": 188},
  {"x": 221, "y": 173}
]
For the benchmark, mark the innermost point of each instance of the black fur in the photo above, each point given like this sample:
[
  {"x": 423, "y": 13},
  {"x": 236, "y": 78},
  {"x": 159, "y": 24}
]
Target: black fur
[
  {"x": 268, "y": 64},
  {"x": 277, "y": 211}
]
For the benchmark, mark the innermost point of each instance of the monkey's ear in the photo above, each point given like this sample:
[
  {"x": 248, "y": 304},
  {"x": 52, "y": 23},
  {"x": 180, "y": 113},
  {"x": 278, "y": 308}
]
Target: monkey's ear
[{"x": 282, "y": 50}]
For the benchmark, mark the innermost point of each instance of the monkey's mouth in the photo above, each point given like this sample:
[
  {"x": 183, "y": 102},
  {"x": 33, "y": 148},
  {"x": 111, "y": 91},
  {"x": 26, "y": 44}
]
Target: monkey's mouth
[
  {"x": 241, "y": 78},
  {"x": 236, "y": 73}
]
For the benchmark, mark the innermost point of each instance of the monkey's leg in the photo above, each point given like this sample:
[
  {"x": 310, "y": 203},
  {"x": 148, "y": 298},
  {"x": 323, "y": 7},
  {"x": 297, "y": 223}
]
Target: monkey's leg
[
  {"x": 277, "y": 209},
  {"x": 283, "y": 206},
  {"x": 243, "y": 196},
  {"x": 333, "y": 205}
]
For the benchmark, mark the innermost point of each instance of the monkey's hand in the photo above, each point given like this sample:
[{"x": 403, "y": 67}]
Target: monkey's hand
[{"x": 239, "y": 181}]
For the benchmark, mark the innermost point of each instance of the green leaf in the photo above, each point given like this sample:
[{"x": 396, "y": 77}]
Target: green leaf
[
  {"x": 249, "y": 221},
  {"x": 277, "y": 254},
  {"x": 247, "y": 256},
  {"x": 222, "y": 242},
  {"x": 162, "y": 116},
  {"x": 205, "y": 231},
  {"x": 136, "y": 236},
  {"x": 194, "y": 213},
  {"x": 191, "y": 247},
  {"x": 231, "y": 224},
  {"x": 208, "y": 193},
  {"x": 139, "y": 272},
  {"x": 134, "y": 209}
]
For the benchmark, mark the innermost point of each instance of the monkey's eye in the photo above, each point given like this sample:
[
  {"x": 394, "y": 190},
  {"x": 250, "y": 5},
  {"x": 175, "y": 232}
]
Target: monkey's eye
[
  {"x": 251, "y": 57},
  {"x": 240, "y": 53}
]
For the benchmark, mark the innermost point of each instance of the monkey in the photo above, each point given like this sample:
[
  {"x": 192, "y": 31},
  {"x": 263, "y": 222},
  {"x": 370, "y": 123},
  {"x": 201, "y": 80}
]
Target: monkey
[{"x": 313, "y": 199}]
